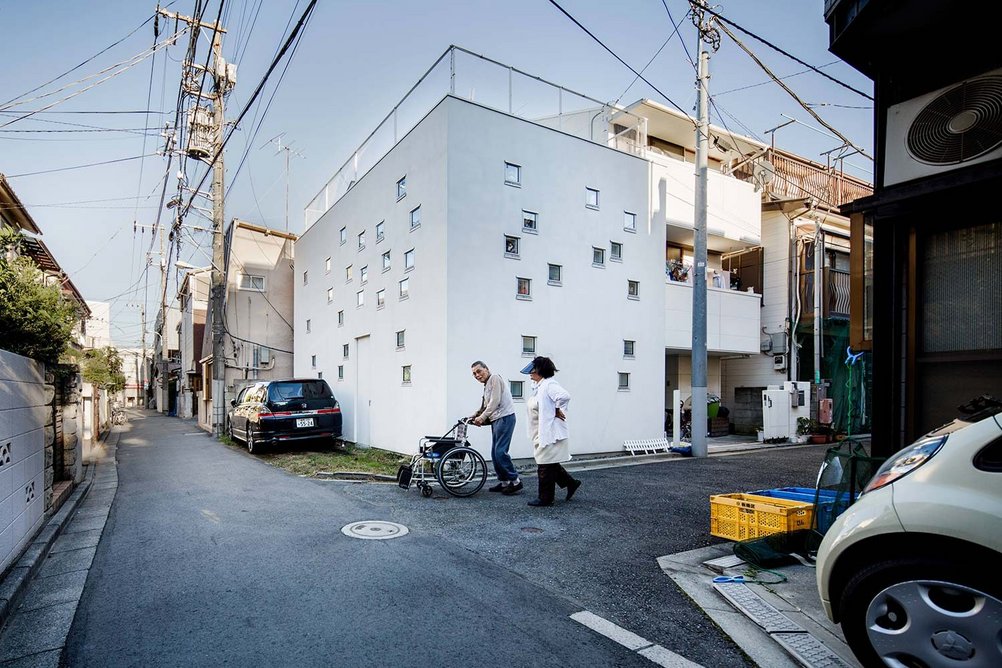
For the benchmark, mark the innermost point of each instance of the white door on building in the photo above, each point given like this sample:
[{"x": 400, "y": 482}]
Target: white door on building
[{"x": 363, "y": 394}]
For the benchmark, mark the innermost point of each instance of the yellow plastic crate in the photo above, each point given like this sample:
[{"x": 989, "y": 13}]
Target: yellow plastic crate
[{"x": 743, "y": 516}]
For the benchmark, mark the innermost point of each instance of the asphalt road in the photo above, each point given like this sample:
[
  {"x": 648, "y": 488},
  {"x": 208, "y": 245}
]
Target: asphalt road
[{"x": 211, "y": 557}]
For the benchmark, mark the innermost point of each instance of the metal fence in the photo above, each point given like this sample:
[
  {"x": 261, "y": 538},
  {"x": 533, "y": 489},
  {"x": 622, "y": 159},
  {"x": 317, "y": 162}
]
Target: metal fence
[{"x": 487, "y": 82}]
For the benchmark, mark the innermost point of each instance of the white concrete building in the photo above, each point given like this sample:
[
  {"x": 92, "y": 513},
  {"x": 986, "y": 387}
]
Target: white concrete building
[
  {"x": 482, "y": 236},
  {"x": 193, "y": 297}
]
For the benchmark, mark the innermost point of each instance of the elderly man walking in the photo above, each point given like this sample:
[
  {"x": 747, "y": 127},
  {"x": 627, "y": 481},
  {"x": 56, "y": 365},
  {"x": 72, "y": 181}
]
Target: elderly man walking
[{"x": 498, "y": 410}]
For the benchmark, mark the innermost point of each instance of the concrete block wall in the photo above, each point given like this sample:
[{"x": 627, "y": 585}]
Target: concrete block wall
[{"x": 24, "y": 414}]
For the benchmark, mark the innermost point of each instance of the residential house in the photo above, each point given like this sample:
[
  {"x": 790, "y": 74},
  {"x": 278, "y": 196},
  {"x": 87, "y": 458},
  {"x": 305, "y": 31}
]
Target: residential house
[
  {"x": 193, "y": 298},
  {"x": 96, "y": 334},
  {"x": 41, "y": 453},
  {"x": 257, "y": 314},
  {"x": 925, "y": 289},
  {"x": 132, "y": 367},
  {"x": 166, "y": 360}
]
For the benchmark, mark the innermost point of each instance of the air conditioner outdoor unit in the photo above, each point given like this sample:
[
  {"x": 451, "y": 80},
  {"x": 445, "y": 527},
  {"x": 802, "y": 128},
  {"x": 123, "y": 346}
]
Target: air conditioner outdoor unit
[{"x": 953, "y": 127}]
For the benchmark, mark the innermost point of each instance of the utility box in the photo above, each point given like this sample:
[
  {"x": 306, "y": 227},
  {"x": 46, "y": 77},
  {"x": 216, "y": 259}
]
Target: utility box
[{"x": 781, "y": 407}]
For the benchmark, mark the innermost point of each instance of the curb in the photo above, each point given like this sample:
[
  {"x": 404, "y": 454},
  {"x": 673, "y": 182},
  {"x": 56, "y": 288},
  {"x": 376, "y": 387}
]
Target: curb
[{"x": 18, "y": 578}]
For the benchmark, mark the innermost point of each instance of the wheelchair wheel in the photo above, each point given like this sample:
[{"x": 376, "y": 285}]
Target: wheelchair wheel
[{"x": 461, "y": 471}]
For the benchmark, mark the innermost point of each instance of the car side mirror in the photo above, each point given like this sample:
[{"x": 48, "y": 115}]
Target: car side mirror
[{"x": 233, "y": 402}]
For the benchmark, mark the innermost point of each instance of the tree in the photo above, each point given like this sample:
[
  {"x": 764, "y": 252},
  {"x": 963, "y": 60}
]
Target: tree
[
  {"x": 35, "y": 319},
  {"x": 103, "y": 367}
]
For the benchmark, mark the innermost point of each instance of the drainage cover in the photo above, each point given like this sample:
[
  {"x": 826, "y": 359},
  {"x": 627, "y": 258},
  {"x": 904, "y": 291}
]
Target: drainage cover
[{"x": 374, "y": 530}]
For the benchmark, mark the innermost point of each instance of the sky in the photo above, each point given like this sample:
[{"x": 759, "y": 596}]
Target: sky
[{"x": 354, "y": 62}]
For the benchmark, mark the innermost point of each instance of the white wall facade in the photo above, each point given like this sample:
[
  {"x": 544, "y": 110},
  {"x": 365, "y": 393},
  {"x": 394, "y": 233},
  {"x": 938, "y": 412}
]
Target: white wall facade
[
  {"x": 23, "y": 415},
  {"x": 462, "y": 303},
  {"x": 98, "y": 325}
]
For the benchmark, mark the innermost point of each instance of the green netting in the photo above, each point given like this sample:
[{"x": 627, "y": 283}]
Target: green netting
[{"x": 845, "y": 471}]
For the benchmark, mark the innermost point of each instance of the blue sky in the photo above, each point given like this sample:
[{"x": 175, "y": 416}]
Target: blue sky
[{"x": 355, "y": 61}]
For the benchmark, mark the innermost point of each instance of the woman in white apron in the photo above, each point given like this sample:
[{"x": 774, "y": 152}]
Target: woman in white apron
[{"x": 547, "y": 413}]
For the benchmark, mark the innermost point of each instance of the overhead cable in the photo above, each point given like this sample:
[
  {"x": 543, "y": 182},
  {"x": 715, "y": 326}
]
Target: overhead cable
[
  {"x": 627, "y": 65},
  {"x": 89, "y": 164},
  {"x": 772, "y": 46}
]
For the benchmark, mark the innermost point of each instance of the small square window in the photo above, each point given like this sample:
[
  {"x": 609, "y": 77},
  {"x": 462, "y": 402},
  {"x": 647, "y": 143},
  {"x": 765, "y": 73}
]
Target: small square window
[
  {"x": 386, "y": 261},
  {"x": 511, "y": 246},
  {"x": 528, "y": 345},
  {"x": 340, "y": 372},
  {"x": 401, "y": 188},
  {"x": 380, "y": 231},
  {"x": 348, "y": 274},
  {"x": 327, "y": 266},
  {"x": 344, "y": 351},
  {"x": 598, "y": 257},
  {"x": 361, "y": 240},
  {"x": 615, "y": 251},
  {"x": 381, "y": 299},
  {"x": 529, "y": 221},
  {"x": 344, "y": 235},
  {"x": 409, "y": 260},
  {"x": 415, "y": 217},
  {"x": 512, "y": 174},
  {"x": 400, "y": 339},
  {"x": 363, "y": 275},
  {"x": 633, "y": 289},
  {"x": 320, "y": 375},
  {"x": 313, "y": 361},
  {"x": 309, "y": 325},
  {"x": 591, "y": 198},
  {"x": 404, "y": 288},
  {"x": 624, "y": 381},
  {"x": 516, "y": 389},
  {"x": 554, "y": 275},
  {"x": 523, "y": 288},
  {"x": 629, "y": 221},
  {"x": 405, "y": 374},
  {"x": 628, "y": 347},
  {"x": 340, "y": 318},
  {"x": 249, "y": 282},
  {"x": 330, "y": 295},
  {"x": 360, "y": 298},
  {"x": 306, "y": 278}
]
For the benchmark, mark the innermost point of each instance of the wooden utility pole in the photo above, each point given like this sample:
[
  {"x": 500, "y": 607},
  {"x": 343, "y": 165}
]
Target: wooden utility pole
[{"x": 223, "y": 78}]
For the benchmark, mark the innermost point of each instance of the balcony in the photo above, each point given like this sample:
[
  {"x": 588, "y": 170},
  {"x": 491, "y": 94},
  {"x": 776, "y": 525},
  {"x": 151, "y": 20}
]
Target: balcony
[
  {"x": 834, "y": 294},
  {"x": 733, "y": 319}
]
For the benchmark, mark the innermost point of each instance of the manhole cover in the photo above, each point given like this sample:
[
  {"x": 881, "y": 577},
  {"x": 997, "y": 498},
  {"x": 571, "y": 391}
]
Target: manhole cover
[{"x": 374, "y": 530}]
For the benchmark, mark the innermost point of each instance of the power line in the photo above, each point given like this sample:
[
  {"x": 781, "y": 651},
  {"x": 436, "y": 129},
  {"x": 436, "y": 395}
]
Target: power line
[
  {"x": 772, "y": 46},
  {"x": 614, "y": 55},
  {"x": 90, "y": 164},
  {"x": 769, "y": 81},
  {"x": 657, "y": 53}
]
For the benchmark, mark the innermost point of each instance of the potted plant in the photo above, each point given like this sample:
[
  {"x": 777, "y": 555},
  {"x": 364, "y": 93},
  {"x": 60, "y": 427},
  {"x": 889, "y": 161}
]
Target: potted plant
[
  {"x": 814, "y": 431},
  {"x": 760, "y": 433}
]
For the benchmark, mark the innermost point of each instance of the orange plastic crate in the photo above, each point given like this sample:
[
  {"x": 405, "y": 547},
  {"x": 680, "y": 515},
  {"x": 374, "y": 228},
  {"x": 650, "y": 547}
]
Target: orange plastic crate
[{"x": 743, "y": 516}]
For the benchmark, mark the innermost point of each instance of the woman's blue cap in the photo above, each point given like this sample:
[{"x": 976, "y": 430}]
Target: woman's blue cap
[{"x": 528, "y": 368}]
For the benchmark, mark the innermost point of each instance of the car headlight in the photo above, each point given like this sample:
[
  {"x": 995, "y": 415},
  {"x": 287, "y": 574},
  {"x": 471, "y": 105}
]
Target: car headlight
[{"x": 904, "y": 462}]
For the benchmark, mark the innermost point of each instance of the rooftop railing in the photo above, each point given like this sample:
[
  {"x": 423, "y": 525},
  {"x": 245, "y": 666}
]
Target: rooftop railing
[{"x": 487, "y": 82}]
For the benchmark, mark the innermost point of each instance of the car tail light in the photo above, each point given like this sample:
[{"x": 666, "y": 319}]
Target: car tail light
[
  {"x": 904, "y": 462},
  {"x": 324, "y": 411}
]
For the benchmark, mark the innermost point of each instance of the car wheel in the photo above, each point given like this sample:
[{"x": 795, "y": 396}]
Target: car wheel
[
  {"x": 923, "y": 612},
  {"x": 253, "y": 447}
]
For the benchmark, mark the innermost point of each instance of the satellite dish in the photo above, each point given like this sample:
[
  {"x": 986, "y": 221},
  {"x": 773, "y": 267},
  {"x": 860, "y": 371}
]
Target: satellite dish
[{"x": 764, "y": 173}]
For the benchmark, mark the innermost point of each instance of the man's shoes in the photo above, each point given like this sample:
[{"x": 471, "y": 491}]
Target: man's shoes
[
  {"x": 511, "y": 490},
  {"x": 497, "y": 488},
  {"x": 572, "y": 487},
  {"x": 536, "y": 503}
]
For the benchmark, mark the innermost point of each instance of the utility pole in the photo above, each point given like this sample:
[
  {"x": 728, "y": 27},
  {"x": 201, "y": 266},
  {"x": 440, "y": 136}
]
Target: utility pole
[
  {"x": 223, "y": 78},
  {"x": 708, "y": 36}
]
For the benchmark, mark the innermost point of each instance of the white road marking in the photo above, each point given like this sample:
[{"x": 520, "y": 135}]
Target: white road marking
[{"x": 644, "y": 647}]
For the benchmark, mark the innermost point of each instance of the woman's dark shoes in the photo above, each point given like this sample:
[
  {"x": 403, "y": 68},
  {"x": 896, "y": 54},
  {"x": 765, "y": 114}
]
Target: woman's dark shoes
[
  {"x": 496, "y": 488},
  {"x": 536, "y": 503},
  {"x": 572, "y": 487},
  {"x": 512, "y": 489}
]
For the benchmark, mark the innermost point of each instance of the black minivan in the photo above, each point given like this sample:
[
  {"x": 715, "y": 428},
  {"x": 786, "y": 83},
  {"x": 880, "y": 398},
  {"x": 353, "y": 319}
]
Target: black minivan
[{"x": 280, "y": 411}]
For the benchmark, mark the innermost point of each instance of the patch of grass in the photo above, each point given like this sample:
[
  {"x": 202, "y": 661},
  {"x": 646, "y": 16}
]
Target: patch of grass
[{"x": 309, "y": 459}]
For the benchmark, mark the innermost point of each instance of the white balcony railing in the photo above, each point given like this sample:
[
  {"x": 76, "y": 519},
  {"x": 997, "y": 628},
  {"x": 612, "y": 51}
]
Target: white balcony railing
[{"x": 733, "y": 319}]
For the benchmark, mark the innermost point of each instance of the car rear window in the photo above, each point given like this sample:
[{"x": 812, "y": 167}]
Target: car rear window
[{"x": 298, "y": 391}]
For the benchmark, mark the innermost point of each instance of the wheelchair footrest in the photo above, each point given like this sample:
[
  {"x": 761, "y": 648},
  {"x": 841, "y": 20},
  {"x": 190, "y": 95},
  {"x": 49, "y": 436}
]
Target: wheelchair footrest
[{"x": 404, "y": 474}]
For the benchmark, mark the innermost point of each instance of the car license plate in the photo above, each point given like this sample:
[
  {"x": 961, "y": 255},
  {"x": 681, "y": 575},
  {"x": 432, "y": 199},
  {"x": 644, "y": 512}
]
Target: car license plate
[{"x": 304, "y": 422}]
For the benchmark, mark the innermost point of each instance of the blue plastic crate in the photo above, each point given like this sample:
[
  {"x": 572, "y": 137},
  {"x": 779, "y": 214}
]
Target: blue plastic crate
[{"x": 826, "y": 501}]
